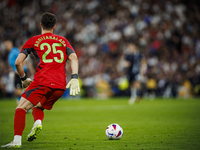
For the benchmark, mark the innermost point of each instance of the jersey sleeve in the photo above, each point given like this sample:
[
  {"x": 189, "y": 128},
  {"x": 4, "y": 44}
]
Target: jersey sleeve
[
  {"x": 28, "y": 47},
  {"x": 69, "y": 49}
]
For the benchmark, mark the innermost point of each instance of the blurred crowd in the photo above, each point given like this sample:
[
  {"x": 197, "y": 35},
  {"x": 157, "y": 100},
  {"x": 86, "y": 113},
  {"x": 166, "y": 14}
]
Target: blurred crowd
[{"x": 166, "y": 32}]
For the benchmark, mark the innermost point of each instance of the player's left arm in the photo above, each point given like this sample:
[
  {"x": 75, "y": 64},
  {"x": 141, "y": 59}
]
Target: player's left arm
[
  {"x": 73, "y": 83},
  {"x": 74, "y": 63}
]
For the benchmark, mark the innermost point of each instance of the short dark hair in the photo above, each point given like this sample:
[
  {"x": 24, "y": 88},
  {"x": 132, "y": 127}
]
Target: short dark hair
[{"x": 48, "y": 20}]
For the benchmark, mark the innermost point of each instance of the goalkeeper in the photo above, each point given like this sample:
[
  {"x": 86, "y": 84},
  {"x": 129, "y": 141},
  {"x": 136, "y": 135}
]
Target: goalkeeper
[{"x": 49, "y": 83}]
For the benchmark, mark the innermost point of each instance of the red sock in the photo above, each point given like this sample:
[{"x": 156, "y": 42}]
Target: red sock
[
  {"x": 37, "y": 114},
  {"x": 19, "y": 121}
]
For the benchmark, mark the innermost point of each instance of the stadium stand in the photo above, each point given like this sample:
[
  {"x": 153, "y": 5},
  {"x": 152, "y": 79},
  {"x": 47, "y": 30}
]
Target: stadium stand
[{"x": 167, "y": 32}]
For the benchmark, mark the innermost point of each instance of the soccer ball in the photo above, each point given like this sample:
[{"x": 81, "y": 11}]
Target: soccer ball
[{"x": 114, "y": 132}]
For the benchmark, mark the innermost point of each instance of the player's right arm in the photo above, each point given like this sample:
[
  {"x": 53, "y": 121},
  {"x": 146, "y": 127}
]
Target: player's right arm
[{"x": 20, "y": 61}]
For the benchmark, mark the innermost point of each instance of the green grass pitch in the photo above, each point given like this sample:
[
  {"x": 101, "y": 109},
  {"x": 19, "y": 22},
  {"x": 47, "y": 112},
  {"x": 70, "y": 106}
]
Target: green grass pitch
[{"x": 170, "y": 124}]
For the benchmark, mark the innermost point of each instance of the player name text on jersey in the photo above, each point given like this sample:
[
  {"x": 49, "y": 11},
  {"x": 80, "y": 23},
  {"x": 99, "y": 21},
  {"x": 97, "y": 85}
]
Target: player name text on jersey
[{"x": 49, "y": 37}]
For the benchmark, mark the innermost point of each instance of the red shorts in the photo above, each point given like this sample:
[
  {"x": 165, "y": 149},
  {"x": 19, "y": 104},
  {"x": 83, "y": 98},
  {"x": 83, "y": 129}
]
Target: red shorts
[{"x": 45, "y": 95}]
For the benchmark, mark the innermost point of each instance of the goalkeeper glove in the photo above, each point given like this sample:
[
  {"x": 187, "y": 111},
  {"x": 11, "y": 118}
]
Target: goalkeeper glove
[
  {"x": 74, "y": 85},
  {"x": 26, "y": 81}
]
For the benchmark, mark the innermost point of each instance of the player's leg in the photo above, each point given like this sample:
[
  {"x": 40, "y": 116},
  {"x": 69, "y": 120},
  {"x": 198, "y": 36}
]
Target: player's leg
[
  {"x": 140, "y": 92},
  {"x": 131, "y": 78},
  {"x": 18, "y": 88},
  {"x": 19, "y": 122},
  {"x": 47, "y": 102},
  {"x": 30, "y": 97},
  {"x": 42, "y": 94},
  {"x": 135, "y": 86},
  {"x": 38, "y": 113},
  {"x": 133, "y": 92},
  {"x": 38, "y": 116}
]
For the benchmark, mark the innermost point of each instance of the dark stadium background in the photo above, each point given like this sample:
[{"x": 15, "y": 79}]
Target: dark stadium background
[{"x": 167, "y": 32}]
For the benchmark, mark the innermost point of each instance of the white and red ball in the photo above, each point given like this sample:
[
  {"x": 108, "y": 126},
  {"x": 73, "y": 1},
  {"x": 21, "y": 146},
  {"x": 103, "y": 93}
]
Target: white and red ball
[{"x": 114, "y": 132}]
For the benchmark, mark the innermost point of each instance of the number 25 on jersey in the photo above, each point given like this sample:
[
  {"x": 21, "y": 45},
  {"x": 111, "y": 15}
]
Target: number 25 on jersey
[{"x": 49, "y": 49}]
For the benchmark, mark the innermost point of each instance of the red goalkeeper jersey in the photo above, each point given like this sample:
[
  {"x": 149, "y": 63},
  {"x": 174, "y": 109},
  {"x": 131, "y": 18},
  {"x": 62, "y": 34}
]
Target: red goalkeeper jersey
[{"x": 51, "y": 52}]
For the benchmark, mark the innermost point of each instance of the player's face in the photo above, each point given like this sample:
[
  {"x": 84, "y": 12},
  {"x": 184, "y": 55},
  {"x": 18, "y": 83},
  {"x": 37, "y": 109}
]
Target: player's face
[
  {"x": 132, "y": 48},
  {"x": 8, "y": 45}
]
